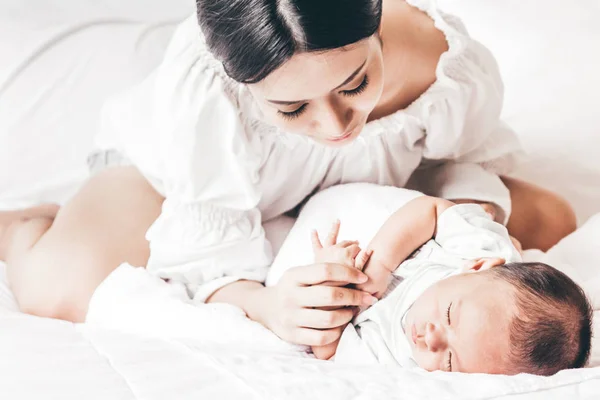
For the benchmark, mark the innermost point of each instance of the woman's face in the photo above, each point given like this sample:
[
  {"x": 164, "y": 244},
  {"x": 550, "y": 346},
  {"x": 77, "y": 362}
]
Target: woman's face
[{"x": 328, "y": 95}]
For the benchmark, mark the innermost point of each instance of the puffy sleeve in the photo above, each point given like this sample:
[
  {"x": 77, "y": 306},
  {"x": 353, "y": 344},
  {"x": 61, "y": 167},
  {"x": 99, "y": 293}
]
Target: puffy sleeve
[
  {"x": 467, "y": 231},
  {"x": 466, "y": 145},
  {"x": 183, "y": 130}
]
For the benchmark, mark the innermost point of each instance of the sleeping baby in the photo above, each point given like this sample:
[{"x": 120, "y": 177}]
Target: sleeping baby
[{"x": 456, "y": 297}]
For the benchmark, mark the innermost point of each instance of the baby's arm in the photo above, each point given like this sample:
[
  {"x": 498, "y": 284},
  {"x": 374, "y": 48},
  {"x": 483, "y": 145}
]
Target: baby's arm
[{"x": 404, "y": 232}]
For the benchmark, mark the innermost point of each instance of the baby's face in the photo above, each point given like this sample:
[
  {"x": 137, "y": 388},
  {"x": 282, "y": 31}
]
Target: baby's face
[{"x": 461, "y": 324}]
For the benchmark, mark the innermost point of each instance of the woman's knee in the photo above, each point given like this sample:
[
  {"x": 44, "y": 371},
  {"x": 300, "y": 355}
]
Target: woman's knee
[
  {"x": 540, "y": 217},
  {"x": 557, "y": 214},
  {"x": 554, "y": 216}
]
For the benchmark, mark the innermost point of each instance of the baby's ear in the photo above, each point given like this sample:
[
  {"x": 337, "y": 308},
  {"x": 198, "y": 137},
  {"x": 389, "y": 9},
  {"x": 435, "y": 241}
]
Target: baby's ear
[{"x": 483, "y": 264}]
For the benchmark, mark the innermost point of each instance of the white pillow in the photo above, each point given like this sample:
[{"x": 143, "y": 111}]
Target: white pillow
[
  {"x": 581, "y": 251},
  {"x": 578, "y": 255},
  {"x": 549, "y": 59},
  {"x": 60, "y": 61}
]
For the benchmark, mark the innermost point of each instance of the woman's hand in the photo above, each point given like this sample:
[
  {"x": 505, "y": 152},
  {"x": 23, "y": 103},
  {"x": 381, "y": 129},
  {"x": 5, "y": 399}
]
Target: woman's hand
[{"x": 310, "y": 306}]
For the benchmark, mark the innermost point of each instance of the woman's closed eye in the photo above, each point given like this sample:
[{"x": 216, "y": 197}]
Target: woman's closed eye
[
  {"x": 293, "y": 114},
  {"x": 357, "y": 90}
]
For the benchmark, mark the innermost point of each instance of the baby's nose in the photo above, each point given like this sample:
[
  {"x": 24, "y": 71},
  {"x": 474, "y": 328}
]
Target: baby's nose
[{"x": 435, "y": 338}]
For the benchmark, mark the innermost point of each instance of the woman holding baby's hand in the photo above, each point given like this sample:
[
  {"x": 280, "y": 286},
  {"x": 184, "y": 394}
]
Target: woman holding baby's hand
[
  {"x": 349, "y": 254},
  {"x": 316, "y": 303},
  {"x": 310, "y": 304}
]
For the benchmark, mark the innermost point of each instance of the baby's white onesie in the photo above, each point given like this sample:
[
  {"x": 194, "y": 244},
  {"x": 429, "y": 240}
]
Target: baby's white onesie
[{"x": 464, "y": 233}]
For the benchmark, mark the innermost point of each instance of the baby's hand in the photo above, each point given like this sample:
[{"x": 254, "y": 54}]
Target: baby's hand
[
  {"x": 379, "y": 280},
  {"x": 346, "y": 252}
]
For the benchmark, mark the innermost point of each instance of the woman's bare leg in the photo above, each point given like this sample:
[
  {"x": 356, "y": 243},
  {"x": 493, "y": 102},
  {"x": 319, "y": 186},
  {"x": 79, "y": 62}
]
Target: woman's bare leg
[
  {"x": 54, "y": 264},
  {"x": 539, "y": 218}
]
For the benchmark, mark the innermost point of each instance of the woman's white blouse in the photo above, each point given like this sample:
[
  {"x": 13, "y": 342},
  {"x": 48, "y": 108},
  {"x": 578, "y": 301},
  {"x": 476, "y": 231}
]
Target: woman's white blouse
[{"x": 198, "y": 138}]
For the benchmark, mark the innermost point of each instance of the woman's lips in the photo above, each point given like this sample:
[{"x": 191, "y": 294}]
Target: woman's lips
[{"x": 344, "y": 136}]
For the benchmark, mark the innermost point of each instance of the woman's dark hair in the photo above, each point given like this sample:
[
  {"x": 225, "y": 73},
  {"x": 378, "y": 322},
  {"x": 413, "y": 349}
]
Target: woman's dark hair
[
  {"x": 252, "y": 38},
  {"x": 553, "y": 328}
]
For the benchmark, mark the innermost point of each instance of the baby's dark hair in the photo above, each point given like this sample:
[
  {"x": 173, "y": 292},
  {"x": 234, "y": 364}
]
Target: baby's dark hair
[{"x": 552, "y": 330}]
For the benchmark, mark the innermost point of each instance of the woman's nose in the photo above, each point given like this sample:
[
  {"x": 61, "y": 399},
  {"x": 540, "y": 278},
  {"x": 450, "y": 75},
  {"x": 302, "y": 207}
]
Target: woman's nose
[
  {"x": 334, "y": 120},
  {"x": 435, "y": 338}
]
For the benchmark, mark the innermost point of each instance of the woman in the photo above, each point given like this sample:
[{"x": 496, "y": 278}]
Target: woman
[{"x": 254, "y": 108}]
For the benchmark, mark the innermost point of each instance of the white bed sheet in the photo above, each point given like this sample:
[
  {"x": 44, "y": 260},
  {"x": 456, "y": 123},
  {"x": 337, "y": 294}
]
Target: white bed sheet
[{"x": 52, "y": 359}]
